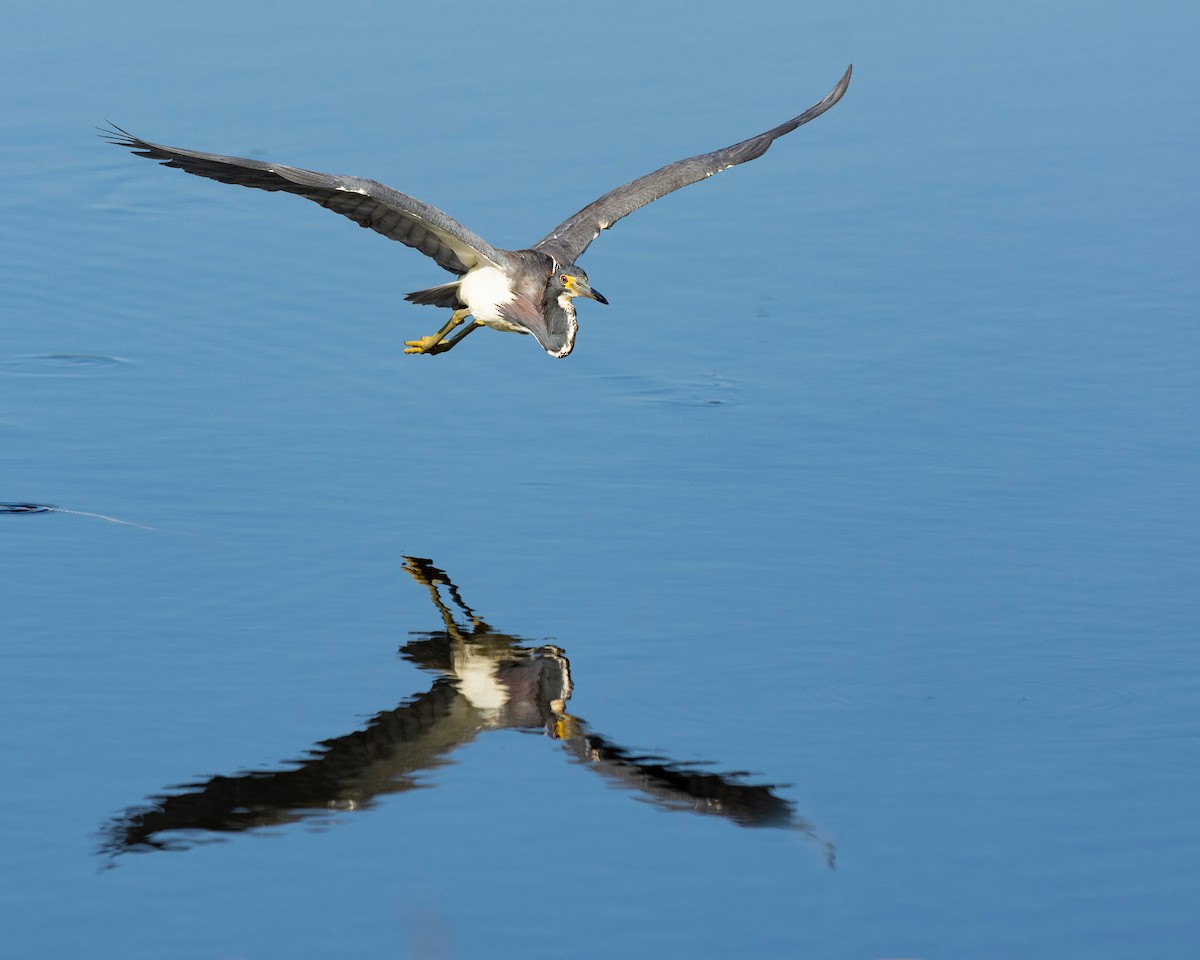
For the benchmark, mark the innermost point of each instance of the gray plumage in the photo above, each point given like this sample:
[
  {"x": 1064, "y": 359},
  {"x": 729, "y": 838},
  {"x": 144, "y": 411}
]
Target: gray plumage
[
  {"x": 518, "y": 291},
  {"x": 368, "y": 203},
  {"x": 573, "y": 236}
]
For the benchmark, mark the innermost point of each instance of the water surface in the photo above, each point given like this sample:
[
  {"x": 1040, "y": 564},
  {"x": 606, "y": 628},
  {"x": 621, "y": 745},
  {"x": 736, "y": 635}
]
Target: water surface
[{"x": 860, "y": 528}]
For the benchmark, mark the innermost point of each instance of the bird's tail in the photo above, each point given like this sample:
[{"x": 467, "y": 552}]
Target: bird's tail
[{"x": 443, "y": 295}]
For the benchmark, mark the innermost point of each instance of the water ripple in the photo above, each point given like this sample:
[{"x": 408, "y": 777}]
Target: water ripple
[
  {"x": 708, "y": 390},
  {"x": 1033, "y": 697},
  {"x": 58, "y": 364}
]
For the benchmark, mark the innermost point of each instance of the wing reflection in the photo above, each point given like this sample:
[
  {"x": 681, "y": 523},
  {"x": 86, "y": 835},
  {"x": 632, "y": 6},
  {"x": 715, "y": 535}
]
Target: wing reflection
[{"x": 486, "y": 680}]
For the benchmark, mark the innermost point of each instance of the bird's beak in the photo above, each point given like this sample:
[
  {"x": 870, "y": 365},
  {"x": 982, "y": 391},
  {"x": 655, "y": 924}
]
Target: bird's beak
[{"x": 575, "y": 287}]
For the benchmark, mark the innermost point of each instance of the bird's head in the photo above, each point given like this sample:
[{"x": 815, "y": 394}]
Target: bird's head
[{"x": 573, "y": 282}]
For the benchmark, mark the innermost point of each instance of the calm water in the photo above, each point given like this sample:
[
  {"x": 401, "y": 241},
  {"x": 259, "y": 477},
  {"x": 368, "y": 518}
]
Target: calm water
[{"x": 843, "y": 583}]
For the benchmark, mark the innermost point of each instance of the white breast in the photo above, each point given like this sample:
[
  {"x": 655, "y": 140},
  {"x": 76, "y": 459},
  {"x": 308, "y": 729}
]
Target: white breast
[
  {"x": 477, "y": 681},
  {"x": 484, "y": 290}
]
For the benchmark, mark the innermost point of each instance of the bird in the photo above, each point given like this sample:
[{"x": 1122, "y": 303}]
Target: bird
[
  {"x": 529, "y": 291},
  {"x": 486, "y": 680}
]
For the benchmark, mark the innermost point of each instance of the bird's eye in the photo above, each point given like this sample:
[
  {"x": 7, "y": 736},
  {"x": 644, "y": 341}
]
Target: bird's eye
[{"x": 564, "y": 278}]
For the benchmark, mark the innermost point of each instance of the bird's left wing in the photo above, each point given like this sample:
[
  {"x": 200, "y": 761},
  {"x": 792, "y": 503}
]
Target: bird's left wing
[
  {"x": 569, "y": 239},
  {"x": 370, "y": 204}
]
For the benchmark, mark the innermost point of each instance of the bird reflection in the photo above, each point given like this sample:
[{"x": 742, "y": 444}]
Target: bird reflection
[{"x": 486, "y": 680}]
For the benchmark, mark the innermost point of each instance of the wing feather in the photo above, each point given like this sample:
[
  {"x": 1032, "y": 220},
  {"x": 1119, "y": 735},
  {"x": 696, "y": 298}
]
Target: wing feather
[
  {"x": 569, "y": 239},
  {"x": 368, "y": 203}
]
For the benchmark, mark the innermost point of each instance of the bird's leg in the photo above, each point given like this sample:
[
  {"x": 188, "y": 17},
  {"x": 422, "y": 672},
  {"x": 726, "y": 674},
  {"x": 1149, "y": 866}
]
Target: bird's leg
[
  {"x": 433, "y": 342},
  {"x": 443, "y": 347}
]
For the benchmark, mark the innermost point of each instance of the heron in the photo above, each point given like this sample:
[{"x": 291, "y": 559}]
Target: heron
[{"x": 529, "y": 291}]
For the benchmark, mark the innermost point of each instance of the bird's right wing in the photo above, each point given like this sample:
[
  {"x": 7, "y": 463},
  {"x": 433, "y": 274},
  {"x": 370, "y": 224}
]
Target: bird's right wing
[
  {"x": 569, "y": 239},
  {"x": 370, "y": 204}
]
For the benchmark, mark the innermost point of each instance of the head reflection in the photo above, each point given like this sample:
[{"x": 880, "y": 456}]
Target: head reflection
[{"x": 485, "y": 680}]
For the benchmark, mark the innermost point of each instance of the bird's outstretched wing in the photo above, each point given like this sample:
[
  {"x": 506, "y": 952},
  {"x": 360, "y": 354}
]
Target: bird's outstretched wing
[
  {"x": 369, "y": 204},
  {"x": 569, "y": 239}
]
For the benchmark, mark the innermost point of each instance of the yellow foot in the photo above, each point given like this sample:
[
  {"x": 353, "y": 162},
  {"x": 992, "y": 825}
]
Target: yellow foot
[{"x": 424, "y": 345}]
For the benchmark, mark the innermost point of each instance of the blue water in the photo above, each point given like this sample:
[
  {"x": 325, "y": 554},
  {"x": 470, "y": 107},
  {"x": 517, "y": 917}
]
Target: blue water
[{"x": 860, "y": 528}]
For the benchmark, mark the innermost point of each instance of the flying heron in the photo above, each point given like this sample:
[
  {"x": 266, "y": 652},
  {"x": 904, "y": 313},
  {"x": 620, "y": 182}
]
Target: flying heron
[{"x": 517, "y": 291}]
